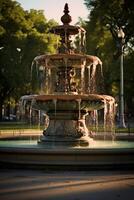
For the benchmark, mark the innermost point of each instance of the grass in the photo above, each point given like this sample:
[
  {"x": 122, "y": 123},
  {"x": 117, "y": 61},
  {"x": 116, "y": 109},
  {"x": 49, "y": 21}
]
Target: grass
[
  {"x": 17, "y": 125},
  {"x": 21, "y": 125},
  {"x": 124, "y": 130}
]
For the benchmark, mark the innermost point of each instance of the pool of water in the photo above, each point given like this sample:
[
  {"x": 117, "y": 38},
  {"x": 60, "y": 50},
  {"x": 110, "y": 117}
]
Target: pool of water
[{"x": 32, "y": 142}]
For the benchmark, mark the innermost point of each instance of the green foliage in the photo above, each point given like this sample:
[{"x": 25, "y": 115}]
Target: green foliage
[
  {"x": 104, "y": 18},
  {"x": 23, "y": 35}
]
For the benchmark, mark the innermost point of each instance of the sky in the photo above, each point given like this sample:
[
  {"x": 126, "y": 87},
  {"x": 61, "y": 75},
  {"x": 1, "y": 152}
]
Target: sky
[{"x": 53, "y": 9}]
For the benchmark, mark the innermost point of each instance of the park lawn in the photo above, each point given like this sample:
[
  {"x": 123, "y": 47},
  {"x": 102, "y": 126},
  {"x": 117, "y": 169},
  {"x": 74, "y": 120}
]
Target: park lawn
[
  {"x": 21, "y": 125},
  {"x": 17, "y": 125}
]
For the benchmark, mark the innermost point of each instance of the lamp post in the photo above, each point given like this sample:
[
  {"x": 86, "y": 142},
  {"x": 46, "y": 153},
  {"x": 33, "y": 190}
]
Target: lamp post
[{"x": 121, "y": 36}]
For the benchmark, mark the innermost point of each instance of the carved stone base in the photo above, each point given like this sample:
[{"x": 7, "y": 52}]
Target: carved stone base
[{"x": 66, "y": 133}]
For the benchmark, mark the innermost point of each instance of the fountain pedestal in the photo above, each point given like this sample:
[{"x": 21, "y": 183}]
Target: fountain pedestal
[{"x": 66, "y": 129}]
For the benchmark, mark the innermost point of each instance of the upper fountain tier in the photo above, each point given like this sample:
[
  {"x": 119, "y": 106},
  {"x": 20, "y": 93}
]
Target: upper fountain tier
[
  {"x": 66, "y": 27},
  {"x": 66, "y": 31},
  {"x": 68, "y": 53},
  {"x": 69, "y": 62}
]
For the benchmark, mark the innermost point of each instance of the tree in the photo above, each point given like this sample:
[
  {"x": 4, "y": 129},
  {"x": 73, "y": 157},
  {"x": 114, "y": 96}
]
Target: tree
[
  {"x": 23, "y": 35},
  {"x": 105, "y": 18}
]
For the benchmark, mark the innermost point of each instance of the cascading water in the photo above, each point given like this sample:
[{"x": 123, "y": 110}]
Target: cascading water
[{"x": 67, "y": 94}]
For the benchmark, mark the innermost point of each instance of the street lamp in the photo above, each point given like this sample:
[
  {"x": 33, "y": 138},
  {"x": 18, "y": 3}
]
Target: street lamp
[{"x": 121, "y": 39}]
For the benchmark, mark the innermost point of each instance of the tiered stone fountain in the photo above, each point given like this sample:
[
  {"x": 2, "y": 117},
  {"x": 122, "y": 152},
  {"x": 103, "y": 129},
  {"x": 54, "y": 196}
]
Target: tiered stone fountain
[{"x": 69, "y": 101}]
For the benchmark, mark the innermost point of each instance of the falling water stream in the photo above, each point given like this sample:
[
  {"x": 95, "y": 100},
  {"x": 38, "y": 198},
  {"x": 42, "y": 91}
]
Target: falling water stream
[{"x": 82, "y": 78}]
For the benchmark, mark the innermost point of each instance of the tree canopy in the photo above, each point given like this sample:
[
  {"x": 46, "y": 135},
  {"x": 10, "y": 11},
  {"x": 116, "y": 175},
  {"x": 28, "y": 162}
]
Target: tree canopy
[
  {"x": 23, "y": 35},
  {"x": 105, "y": 18}
]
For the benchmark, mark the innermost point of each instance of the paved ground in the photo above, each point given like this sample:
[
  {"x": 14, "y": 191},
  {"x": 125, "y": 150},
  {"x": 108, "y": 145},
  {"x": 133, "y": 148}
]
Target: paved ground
[{"x": 66, "y": 185}]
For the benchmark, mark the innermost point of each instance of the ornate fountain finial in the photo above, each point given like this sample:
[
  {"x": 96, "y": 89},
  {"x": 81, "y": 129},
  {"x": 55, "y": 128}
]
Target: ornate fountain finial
[{"x": 66, "y": 18}]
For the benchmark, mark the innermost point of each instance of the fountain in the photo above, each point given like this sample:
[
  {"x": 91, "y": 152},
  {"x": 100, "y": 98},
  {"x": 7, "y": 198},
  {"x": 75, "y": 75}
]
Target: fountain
[
  {"x": 69, "y": 102},
  {"x": 67, "y": 96}
]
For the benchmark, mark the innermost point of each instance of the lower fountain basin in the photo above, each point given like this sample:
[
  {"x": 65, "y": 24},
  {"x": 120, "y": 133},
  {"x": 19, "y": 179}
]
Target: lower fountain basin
[
  {"x": 25, "y": 152},
  {"x": 31, "y": 141}
]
